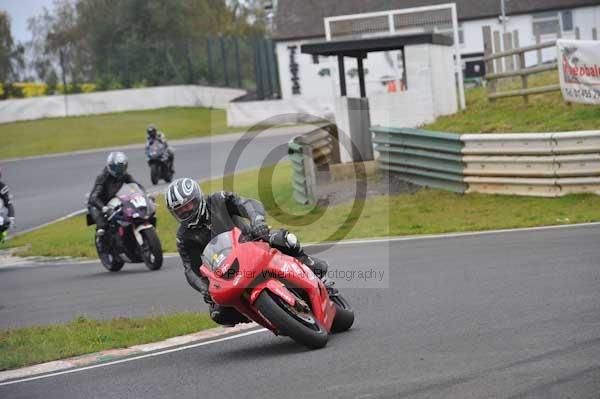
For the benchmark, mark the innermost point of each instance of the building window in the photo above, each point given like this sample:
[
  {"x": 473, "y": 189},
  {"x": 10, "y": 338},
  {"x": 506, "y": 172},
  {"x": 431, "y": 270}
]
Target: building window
[
  {"x": 546, "y": 23},
  {"x": 567, "y": 21},
  {"x": 448, "y": 31},
  {"x": 549, "y": 23}
]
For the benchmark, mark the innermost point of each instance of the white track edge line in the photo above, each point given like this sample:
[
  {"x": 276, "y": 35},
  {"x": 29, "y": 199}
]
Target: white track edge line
[
  {"x": 130, "y": 359},
  {"x": 451, "y": 235}
]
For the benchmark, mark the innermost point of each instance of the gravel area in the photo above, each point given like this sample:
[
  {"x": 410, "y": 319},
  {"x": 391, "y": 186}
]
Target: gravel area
[{"x": 383, "y": 183}]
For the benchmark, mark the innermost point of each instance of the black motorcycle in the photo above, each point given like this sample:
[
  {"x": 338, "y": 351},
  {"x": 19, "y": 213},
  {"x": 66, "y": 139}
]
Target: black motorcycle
[
  {"x": 131, "y": 234},
  {"x": 160, "y": 165},
  {"x": 4, "y": 221}
]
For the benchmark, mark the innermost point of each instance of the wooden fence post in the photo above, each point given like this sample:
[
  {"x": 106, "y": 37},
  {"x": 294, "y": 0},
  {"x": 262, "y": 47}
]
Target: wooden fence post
[
  {"x": 498, "y": 48},
  {"x": 489, "y": 64},
  {"x": 538, "y": 40},
  {"x": 510, "y": 60},
  {"x": 517, "y": 44},
  {"x": 521, "y": 66}
]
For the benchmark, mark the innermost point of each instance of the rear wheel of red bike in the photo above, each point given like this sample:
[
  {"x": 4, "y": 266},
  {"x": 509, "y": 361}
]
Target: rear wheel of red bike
[{"x": 344, "y": 315}]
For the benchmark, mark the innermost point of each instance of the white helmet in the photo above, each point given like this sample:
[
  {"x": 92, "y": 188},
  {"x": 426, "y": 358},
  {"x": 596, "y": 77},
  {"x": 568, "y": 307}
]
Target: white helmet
[
  {"x": 116, "y": 164},
  {"x": 186, "y": 202}
]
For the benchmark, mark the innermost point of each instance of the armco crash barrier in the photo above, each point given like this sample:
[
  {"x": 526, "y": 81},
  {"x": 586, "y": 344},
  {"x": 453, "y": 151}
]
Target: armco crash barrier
[
  {"x": 431, "y": 159},
  {"x": 536, "y": 164},
  {"x": 311, "y": 155}
]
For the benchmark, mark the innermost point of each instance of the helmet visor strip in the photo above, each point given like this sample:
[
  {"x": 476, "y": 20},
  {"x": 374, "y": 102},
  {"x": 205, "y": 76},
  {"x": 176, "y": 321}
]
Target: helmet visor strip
[{"x": 187, "y": 210}]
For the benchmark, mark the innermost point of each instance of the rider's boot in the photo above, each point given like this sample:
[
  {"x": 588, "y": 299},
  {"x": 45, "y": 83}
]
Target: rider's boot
[
  {"x": 226, "y": 316},
  {"x": 318, "y": 266},
  {"x": 101, "y": 240}
]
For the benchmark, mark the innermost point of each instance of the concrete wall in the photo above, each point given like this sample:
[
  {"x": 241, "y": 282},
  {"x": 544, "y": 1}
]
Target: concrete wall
[
  {"x": 431, "y": 93},
  {"x": 431, "y": 90},
  {"x": 299, "y": 109},
  {"x": 321, "y": 80},
  {"x": 117, "y": 101}
]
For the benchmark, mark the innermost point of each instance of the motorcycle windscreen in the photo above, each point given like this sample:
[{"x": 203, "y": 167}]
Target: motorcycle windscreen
[
  {"x": 217, "y": 250},
  {"x": 156, "y": 149},
  {"x": 134, "y": 198},
  {"x": 129, "y": 189}
]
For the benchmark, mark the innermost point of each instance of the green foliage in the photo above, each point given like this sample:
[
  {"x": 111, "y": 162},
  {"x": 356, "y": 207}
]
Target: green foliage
[
  {"x": 10, "y": 90},
  {"x": 31, "y": 345},
  {"x": 52, "y": 82},
  {"x": 128, "y": 43},
  {"x": 545, "y": 113},
  {"x": 11, "y": 59}
]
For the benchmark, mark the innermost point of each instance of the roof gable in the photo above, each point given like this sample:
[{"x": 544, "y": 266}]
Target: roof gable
[{"x": 298, "y": 19}]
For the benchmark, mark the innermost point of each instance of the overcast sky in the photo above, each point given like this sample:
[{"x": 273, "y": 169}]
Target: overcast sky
[{"x": 20, "y": 11}]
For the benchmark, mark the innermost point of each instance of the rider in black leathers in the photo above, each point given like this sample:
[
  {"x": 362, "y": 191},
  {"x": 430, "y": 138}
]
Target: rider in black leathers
[
  {"x": 107, "y": 184},
  {"x": 153, "y": 134},
  {"x": 6, "y": 200},
  {"x": 216, "y": 214}
]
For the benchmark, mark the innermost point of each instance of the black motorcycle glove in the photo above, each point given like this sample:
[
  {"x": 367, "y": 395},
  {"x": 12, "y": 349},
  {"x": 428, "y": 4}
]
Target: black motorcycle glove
[{"x": 260, "y": 229}]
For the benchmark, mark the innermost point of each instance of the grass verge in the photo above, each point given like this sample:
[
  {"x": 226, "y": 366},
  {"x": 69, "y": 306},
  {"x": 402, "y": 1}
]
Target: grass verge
[
  {"x": 426, "y": 212},
  {"x": 32, "y": 345},
  {"x": 545, "y": 113},
  {"x": 53, "y": 135}
]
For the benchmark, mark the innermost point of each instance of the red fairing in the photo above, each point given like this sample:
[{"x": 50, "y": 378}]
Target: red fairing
[{"x": 264, "y": 268}]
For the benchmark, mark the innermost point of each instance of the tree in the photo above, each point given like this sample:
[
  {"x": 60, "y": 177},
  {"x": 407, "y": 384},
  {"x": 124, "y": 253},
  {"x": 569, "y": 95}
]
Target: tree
[
  {"x": 126, "y": 43},
  {"x": 11, "y": 59},
  {"x": 51, "y": 82}
]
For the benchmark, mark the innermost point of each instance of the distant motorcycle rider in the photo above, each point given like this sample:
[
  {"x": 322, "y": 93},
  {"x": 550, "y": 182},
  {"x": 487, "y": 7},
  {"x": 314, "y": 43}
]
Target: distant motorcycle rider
[
  {"x": 202, "y": 218},
  {"x": 7, "y": 221},
  {"x": 107, "y": 184},
  {"x": 154, "y": 135}
]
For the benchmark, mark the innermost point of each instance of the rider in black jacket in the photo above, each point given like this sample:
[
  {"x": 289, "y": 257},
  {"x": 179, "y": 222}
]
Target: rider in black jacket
[
  {"x": 107, "y": 184},
  {"x": 152, "y": 135},
  {"x": 6, "y": 198},
  {"x": 203, "y": 218}
]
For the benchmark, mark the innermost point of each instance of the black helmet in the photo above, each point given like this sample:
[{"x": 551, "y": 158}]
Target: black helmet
[
  {"x": 151, "y": 131},
  {"x": 186, "y": 202},
  {"x": 116, "y": 164}
]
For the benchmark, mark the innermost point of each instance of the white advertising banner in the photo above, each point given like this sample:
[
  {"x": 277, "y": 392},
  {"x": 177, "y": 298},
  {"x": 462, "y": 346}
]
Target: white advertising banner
[{"x": 579, "y": 70}]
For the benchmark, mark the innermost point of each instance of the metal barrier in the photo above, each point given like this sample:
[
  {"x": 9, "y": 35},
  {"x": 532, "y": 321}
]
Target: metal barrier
[
  {"x": 425, "y": 158},
  {"x": 507, "y": 144},
  {"x": 311, "y": 154},
  {"x": 539, "y": 164}
]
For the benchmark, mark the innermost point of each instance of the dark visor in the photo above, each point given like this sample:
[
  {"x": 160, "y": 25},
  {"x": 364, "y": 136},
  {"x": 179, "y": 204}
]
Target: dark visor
[{"x": 187, "y": 210}]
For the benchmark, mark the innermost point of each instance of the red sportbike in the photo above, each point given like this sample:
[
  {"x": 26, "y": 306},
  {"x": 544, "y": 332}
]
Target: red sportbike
[{"x": 275, "y": 290}]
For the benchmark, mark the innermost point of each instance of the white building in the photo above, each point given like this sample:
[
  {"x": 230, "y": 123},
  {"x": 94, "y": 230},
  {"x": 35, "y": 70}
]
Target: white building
[
  {"x": 298, "y": 22},
  {"x": 310, "y": 85}
]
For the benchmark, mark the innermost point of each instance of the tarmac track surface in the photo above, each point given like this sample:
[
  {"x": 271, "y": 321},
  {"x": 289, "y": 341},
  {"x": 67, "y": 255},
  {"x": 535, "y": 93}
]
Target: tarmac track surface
[{"x": 507, "y": 315}]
